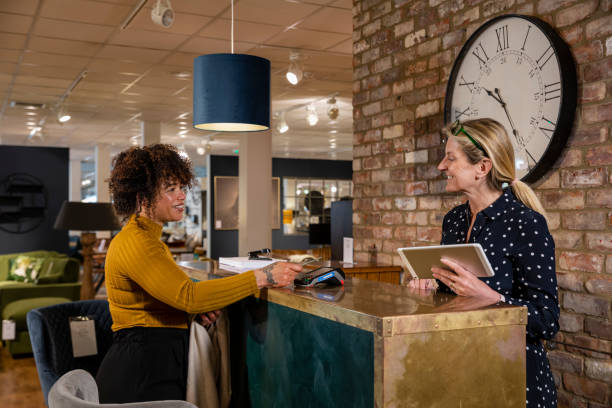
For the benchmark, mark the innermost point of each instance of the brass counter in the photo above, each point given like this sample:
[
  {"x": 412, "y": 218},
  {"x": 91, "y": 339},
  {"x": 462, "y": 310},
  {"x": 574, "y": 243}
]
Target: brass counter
[{"x": 381, "y": 345}]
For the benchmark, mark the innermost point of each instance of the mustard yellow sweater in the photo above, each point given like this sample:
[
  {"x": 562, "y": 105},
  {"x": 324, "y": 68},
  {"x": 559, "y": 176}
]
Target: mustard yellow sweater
[{"x": 147, "y": 288}]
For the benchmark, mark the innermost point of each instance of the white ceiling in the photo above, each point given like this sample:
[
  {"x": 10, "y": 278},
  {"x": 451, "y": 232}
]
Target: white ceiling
[{"x": 144, "y": 71}]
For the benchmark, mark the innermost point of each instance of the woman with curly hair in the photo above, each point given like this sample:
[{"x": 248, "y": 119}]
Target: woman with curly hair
[{"x": 150, "y": 297}]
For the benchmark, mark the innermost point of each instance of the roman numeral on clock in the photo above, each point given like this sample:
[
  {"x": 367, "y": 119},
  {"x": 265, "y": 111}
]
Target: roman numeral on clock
[
  {"x": 552, "y": 91},
  {"x": 459, "y": 113},
  {"x": 530, "y": 163},
  {"x": 525, "y": 40},
  {"x": 502, "y": 38},
  {"x": 547, "y": 131},
  {"x": 463, "y": 82},
  {"x": 479, "y": 48},
  {"x": 545, "y": 57}
]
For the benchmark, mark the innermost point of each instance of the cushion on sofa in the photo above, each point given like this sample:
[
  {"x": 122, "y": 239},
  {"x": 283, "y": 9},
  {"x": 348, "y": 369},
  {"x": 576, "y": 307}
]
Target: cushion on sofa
[
  {"x": 59, "y": 270},
  {"x": 25, "y": 268},
  {"x": 5, "y": 259}
]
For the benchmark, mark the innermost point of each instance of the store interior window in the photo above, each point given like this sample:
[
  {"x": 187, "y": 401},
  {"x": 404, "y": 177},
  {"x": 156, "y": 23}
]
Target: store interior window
[
  {"x": 308, "y": 201},
  {"x": 88, "y": 182}
]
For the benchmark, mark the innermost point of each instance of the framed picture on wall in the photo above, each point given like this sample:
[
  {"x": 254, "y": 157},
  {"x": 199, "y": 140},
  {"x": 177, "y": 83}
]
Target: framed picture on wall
[{"x": 226, "y": 203}]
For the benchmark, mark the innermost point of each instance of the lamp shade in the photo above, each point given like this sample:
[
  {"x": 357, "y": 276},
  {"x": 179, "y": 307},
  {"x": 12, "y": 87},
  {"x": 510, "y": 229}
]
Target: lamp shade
[
  {"x": 78, "y": 216},
  {"x": 231, "y": 93}
]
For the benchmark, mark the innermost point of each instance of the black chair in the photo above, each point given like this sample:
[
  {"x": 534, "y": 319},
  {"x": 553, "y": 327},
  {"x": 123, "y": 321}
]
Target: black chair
[{"x": 49, "y": 330}]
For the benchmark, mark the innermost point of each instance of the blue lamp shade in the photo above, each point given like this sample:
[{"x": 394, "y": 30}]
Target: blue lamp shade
[{"x": 231, "y": 93}]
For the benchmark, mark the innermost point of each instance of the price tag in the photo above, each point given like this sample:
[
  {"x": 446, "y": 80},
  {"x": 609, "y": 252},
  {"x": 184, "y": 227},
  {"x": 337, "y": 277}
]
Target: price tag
[
  {"x": 83, "y": 336},
  {"x": 8, "y": 330},
  {"x": 347, "y": 250}
]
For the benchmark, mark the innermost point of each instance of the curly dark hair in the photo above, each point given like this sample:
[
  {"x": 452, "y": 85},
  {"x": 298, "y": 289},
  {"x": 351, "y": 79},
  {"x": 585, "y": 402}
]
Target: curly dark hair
[{"x": 140, "y": 172}]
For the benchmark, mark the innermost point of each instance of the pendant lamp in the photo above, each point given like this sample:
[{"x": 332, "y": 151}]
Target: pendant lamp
[{"x": 231, "y": 92}]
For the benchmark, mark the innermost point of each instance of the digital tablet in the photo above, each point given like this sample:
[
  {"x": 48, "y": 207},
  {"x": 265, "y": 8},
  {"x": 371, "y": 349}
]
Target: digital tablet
[{"x": 418, "y": 261}]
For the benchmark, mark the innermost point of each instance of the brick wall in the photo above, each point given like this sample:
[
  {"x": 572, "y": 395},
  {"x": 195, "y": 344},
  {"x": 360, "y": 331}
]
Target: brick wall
[{"x": 403, "y": 55}]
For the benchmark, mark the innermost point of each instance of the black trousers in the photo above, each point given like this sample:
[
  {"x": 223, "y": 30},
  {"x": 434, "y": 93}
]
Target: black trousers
[{"x": 144, "y": 364}]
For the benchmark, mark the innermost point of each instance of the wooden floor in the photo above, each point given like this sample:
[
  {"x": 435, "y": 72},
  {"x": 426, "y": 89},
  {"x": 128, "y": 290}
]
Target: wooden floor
[{"x": 19, "y": 384}]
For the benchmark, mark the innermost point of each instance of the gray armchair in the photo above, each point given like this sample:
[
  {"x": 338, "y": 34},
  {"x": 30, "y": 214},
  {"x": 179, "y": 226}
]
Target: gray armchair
[{"x": 78, "y": 389}]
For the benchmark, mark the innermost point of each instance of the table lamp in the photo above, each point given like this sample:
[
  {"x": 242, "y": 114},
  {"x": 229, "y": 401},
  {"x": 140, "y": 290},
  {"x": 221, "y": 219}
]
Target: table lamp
[{"x": 87, "y": 217}]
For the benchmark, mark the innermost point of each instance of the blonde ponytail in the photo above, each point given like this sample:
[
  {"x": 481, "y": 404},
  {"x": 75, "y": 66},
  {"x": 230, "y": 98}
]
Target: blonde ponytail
[{"x": 528, "y": 197}]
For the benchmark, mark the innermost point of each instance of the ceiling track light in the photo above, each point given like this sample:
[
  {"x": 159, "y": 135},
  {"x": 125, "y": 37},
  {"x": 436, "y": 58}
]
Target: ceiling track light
[
  {"x": 63, "y": 116},
  {"x": 312, "y": 117},
  {"x": 333, "y": 111},
  {"x": 162, "y": 14},
  {"x": 295, "y": 73},
  {"x": 282, "y": 126}
]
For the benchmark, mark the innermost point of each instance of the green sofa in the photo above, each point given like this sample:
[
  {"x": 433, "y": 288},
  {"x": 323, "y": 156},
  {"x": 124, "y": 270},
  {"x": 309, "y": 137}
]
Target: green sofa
[{"x": 57, "y": 283}]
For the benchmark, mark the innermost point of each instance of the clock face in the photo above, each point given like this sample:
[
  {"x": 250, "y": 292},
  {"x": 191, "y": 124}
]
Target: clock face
[{"x": 518, "y": 71}]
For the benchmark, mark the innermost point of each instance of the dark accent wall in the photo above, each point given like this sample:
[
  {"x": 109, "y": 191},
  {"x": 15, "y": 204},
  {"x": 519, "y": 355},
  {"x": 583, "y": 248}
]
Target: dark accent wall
[
  {"x": 50, "y": 166},
  {"x": 222, "y": 242},
  {"x": 225, "y": 243}
]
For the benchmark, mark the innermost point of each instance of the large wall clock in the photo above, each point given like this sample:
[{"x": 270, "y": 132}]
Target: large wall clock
[{"x": 517, "y": 70}]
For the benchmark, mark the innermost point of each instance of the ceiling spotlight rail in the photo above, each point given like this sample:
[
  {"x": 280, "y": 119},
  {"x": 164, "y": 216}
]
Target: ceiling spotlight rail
[
  {"x": 132, "y": 14},
  {"x": 311, "y": 117},
  {"x": 306, "y": 104}
]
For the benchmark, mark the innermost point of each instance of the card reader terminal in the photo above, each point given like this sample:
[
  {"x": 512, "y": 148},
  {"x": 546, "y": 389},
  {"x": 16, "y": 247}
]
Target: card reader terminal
[{"x": 321, "y": 276}]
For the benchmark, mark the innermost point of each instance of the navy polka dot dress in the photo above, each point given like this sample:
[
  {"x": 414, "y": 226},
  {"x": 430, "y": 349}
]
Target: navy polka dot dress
[{"x": 521, "y": 251}]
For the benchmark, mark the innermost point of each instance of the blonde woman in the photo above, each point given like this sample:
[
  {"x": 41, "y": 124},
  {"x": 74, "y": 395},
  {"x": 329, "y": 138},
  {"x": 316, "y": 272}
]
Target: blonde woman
[{"x": 503, "y": 215}]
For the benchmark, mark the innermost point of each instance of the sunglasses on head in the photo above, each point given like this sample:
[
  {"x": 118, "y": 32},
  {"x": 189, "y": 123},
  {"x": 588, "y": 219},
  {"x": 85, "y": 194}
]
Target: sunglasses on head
[{"x": 457, "y": 128}]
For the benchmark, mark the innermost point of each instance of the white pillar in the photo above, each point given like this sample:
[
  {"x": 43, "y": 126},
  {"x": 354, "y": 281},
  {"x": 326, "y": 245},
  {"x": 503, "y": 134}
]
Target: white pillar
[
  {"x": 255, "y": 192},
  {"x": 103, "y": 162},
  {"x": 150, "y": 132},
  {"x": 74, "y": 193}
]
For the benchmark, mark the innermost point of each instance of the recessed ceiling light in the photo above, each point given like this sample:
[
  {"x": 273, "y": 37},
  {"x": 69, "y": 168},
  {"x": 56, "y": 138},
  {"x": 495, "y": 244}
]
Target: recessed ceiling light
[
  {"x": 30, "y": 113},
  {"x": 334, "y": 131}
]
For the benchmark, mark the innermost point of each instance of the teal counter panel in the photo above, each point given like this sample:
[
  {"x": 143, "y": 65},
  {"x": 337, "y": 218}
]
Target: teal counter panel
[{"x": 296, "y": 359}]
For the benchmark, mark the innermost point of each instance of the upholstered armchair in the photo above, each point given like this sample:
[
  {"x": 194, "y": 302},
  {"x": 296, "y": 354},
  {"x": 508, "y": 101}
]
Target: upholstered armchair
[{"x": 51, "y": 343}]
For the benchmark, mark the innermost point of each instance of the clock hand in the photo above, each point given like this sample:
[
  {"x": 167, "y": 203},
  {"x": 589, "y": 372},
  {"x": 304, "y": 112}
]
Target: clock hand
[
  {"x": 493, "y": 96},
  {"x": 515, "y": 132}
]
